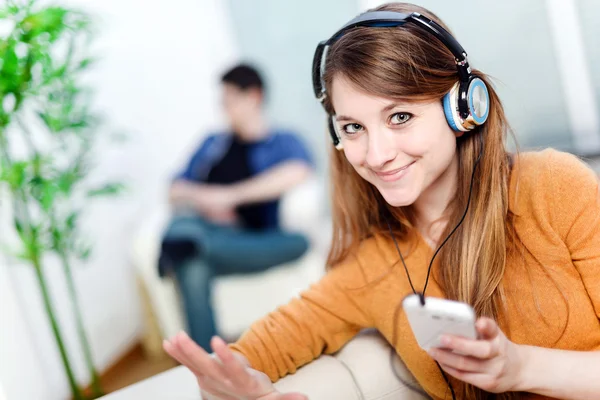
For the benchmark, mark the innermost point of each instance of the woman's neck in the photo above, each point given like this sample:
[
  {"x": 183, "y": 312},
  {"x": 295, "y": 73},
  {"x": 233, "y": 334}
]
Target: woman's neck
[{"x": 431, "y": 208}]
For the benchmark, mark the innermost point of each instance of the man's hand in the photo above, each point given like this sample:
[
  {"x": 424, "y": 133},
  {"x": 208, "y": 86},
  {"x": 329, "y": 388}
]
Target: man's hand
[
  {"x": 217, "y": 203},
  {"x": 214, "y": 198},
  {"x": 222, "y": 217},
  {"x": 181, "y": 192}
]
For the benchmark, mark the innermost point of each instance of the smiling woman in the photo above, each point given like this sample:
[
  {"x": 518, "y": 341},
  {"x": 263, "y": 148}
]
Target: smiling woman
[{"x": 424, "y": 187}]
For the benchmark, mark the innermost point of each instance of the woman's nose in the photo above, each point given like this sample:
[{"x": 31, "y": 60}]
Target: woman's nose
[{"x": 381, "y": 148}]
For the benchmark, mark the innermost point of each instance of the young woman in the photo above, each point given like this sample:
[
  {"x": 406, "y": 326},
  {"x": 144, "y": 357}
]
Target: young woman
[{"x": 427, "y": 199}]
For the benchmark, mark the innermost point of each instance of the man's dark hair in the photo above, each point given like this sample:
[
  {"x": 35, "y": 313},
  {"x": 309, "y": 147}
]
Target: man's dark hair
[{"x": 244, "y": 77}]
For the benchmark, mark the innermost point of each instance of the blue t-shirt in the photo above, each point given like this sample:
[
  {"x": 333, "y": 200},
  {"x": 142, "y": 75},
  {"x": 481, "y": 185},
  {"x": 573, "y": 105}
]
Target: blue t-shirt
[{"x": 278, "y": 147}]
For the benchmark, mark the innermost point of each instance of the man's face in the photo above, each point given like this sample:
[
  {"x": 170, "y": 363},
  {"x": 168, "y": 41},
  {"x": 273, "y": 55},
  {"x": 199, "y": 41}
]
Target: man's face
[{"x": 240, "y": 105}]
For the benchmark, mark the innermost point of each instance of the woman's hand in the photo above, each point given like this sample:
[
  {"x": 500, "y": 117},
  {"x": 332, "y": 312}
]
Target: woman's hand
[
  {"x": 492, "y": 363},
  {"x": 225, "y": 375}
]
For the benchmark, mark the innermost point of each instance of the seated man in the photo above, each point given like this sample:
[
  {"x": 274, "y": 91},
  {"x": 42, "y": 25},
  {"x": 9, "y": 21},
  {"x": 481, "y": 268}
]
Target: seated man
[{"x": 225, "y": 202}]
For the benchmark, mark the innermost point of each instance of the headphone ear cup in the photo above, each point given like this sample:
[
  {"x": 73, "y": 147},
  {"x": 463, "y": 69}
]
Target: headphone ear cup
[
  {"x": 450, "y": 109},
  {"x": 478, "y": 101}
]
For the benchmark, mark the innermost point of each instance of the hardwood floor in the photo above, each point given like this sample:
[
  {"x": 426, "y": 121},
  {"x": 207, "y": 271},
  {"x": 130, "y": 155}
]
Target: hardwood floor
[{"x": 133, "y": 367}]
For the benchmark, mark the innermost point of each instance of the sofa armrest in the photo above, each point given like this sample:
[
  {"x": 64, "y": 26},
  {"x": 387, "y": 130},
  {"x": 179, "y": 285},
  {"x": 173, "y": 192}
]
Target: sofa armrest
[
  {"x": 323, "y": 379},
  {"x": 375, "y": 367},
  {"x": 361, "y": 370}
]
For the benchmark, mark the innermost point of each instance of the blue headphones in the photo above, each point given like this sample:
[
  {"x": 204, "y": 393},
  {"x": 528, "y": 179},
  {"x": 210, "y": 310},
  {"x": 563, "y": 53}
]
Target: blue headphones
[{"x": 466, "y": 105}]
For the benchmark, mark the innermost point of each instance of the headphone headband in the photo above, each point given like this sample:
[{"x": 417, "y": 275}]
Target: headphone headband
[
  {"x": 390, "y": 19},
  {"x": 466, "y": 106}
]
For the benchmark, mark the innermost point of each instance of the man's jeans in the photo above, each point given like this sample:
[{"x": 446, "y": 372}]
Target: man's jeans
[{"x": 199, "y": 251}]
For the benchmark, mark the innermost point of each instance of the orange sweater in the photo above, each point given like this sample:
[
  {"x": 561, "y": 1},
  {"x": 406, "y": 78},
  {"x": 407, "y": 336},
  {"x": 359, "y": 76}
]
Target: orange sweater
[{"x": 555, "y": 199}]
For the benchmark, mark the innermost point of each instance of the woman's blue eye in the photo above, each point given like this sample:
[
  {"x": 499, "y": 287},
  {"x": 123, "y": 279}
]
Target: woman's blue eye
[
  {"x": 400, "y": 118},
  {"x": 352, "y": 128}
]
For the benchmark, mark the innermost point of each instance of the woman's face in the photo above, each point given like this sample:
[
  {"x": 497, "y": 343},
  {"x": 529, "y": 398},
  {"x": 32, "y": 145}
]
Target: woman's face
[{"x": 406, "y": 150}]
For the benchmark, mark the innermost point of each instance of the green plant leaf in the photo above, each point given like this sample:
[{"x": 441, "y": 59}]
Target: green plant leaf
[
  {"x": 32, "y": 246},
  {"x": 57, "y": 238},
  {"x": 20, "y": 230},
  {"x": 14, "y": 9},
  {"x": 85, "y": 253},
  {"x": 45, "y": 191},
  {"x": 10, "y": 61},
  {"x": 18, "y": 226},
  {"x": 85, "y": 63},
  {"x": 15, "y": 175},
  {"x": 80, "y": 249},
  {"x": 66, "y": 180},
  {"x": 79, "y": 124},
  {"x": 48, "y": 196},
  {"x": 11, "y": 252},
  {"x": 52, "y": 123},
  {"x": 48, "y": 20},
  {"x": 23, "y": 255},
  {"x": 108, "y": 189},
  {"x": 37, "y": 163},
  {"x": 71, "y": 221},
  {"x": 9, "y": 75}
]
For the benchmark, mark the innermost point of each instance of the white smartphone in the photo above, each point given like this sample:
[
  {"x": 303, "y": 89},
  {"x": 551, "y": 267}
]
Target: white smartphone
[{"x": 438, "y": 317}]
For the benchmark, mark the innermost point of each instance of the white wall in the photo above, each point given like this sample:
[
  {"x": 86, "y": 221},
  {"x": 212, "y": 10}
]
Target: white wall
[
  {"x": 2, "y": 395},
  {"x": 157, "y": 82}
]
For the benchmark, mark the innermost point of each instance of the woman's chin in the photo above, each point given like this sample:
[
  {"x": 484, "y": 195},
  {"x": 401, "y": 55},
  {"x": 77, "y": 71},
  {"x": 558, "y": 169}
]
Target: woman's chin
[{"x": 398, "y": 199}]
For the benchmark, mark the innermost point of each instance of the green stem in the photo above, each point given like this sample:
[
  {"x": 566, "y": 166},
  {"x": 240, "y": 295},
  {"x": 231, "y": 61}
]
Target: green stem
[
  {"x": 96, "y": 386},
  {"x": 35, "y": 260},
  {"x": 73, "y": 298},
  {"x": 77, "y": 395}
]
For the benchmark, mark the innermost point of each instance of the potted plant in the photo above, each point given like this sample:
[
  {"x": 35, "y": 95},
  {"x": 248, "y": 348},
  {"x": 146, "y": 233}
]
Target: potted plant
[{"x": 47, "y": 133}]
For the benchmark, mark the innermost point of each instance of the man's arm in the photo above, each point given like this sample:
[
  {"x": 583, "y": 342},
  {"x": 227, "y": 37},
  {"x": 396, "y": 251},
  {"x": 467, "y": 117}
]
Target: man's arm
[
  {"x": 217, "y": 199},
  {"x": 271, "y": 184}
]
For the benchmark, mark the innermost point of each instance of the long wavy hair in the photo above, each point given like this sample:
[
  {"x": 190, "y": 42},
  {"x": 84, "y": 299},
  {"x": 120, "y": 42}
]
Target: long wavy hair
[{"x": 410, "y": 64}]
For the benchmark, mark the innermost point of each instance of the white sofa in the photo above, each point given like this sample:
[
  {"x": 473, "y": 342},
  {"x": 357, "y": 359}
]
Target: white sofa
[
  {"x": 239, "y": 300},
  {"x": 362, "y": 370}
]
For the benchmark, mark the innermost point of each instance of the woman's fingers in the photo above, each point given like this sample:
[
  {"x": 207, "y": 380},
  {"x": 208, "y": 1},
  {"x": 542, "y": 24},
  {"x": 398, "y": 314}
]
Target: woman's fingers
[
  {"x": 474, "y": 378},
  {"x": 484, "y": 349},
  {"x": 176, "y": 354},
  {"x": 197, "y": 359},
  {"x": 223, "y": 375},
  {"x": 174, "y": 351},
  {"x": 457, "y": 361},
  {"x": 487, "y": 328},
  {"x": 236, "y": 372},
  {"x": 212, "y": 390},
  {"x": 168, "y": 347}
]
